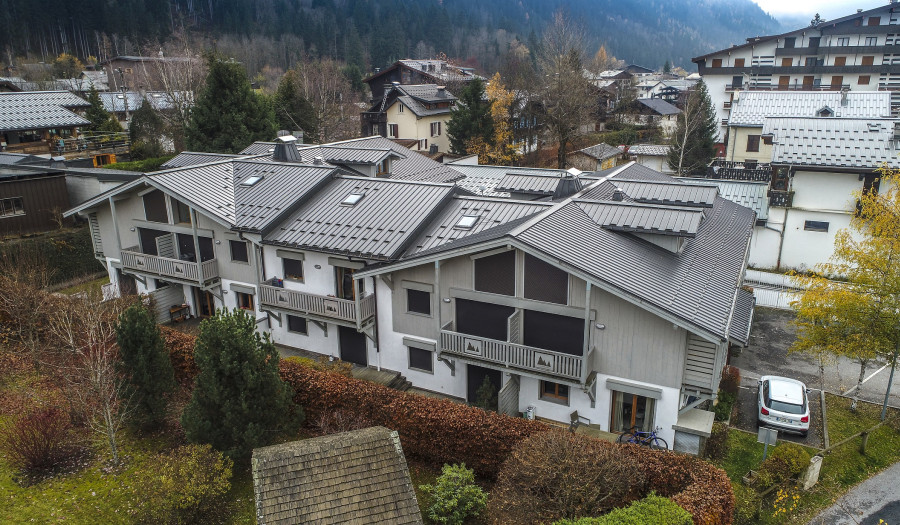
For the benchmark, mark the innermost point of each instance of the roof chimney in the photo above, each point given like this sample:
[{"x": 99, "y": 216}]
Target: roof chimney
[
  {"x": 318, "y": 161},
  {"x": 441, "y": 89},
  {"x": 433, "y": 149},
  {"x": 618, "y": 195},
  {"x": 844, "y": 92},
  {"x": 568, "y": 185},
  {"x": 286, "y": 150}
]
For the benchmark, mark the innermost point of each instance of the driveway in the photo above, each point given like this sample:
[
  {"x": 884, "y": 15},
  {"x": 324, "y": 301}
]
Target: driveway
[
  {"x": 875, "y": 499},
  {"x": 746, "y": 415}
]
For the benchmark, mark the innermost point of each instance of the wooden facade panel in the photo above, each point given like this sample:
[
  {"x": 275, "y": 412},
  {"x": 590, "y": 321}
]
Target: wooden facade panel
[
  {"x": 406, "y": 323},
  {"x": 700, "y": 364},
  {"x": 42, "y": 199}
]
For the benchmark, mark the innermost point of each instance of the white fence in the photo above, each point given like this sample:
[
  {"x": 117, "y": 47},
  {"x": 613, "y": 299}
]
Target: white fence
[{"x": 772, "y": 290}]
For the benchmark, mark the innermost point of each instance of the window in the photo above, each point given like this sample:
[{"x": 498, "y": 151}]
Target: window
[
  {"x": 631, "y": 410},
  {"x": 545, "y": 282},
  {"x": 837, "y": 82},
  {"x": 843, "y": 41},
  {"x": 496, "y": 273},
  {"x": 400, "y": 108},
  {"x": 810, "y": 61},
  {"x": 559, "y": 333},
  {"x": 737, "y": 81},
  {"x": 790, "y": 42},
  {"x": 382, "y": 167},
  {"x": 393, "y": 131},
  {"x": 874, "y": 20},
  {"x": 808, "y": 82},
  {"x": 786, "y": 62},
  {"x": 784, "y": 82},
  {"x": 297, "y": 325},
  {"x": 815, "y": 226},
  {"x": 375, "y": 129},
  {"x": 244, "y": 300},
  {"x": 352, "y": 199},
  {"x": 739, "y": 62},
  {"x": 868, "y": 60},
  {"x": 421, "y": 359},
  {"x": 554, "y": 392},
  {"x": 155, "y": 207},
  {"x": 840, "y": 61},
  {"x": 435, "y": 129},
  {"x": 11, "y": 207},
  {"x": 814, "y": 41},
  {"x": 864, "y": 80},
  {"x": 871, "y": 40},
  {"x": 251, "y": 180},
  {"x": 717, "y": 62},
  {"x": 753, "y": 143},
  {"x": 418, "y": 302},
  {"x": 239, "y": 252},
  {"x": 466, "y": 222},
  {"x": 181, "y": 212},
  {"x": 293, "y": 269}
]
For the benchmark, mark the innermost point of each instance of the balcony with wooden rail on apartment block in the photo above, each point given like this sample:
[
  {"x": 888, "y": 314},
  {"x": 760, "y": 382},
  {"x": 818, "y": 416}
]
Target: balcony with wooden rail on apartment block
[
  {"x": 273, "y": 294},
  {"x": 170, "y": 269}
]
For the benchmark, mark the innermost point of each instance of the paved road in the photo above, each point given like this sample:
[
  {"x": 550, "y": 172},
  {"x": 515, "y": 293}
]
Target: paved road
[
  {"x": 767, "y": 353},
  {"x": 877, "y": 498}
]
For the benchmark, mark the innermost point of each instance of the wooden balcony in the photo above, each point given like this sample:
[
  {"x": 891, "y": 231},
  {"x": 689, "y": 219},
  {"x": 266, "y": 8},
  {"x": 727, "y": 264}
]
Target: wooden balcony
[
  {"x": 513, "y": 356},
  {"x": 322, "y": 306},
  {"x": 166, "y": 268},
  {"x": 781, "y": 199}
]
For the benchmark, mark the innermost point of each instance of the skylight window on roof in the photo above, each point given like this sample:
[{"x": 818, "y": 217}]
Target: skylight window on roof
[
  {"x": 251, "y": 180},
  {"x": 466, "y": 222},
  {"x": 352, "y": 199}
]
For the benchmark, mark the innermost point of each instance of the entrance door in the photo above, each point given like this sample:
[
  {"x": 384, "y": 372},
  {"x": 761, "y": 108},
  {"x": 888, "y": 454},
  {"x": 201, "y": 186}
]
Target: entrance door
[
  {"x": 477, "y": 392},
  {"x": 353, "y": 346},
  {"x": 206, "y": 305},
  {"x": 784, "y": 82}
]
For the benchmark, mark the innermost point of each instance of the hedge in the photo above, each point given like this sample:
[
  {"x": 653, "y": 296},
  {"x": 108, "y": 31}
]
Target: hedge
[
  {"x": 143, "y": 166},
  {"x": 69, "y": 253},
  {"x": 652, "y": 510},
  {"x": 441, "y": 432}
]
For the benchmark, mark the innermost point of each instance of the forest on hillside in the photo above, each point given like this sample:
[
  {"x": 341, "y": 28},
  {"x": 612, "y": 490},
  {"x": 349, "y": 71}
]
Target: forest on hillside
[{"x": 373, "y": 33}]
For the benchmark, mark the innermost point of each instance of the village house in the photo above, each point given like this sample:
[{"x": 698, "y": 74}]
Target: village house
[
  {"x": 416, "y": 72},
  {"x": 580, "y": 305},
  {"x": 32, "y": 121},
  {"x": 412, "y": 112},
  {"x": 653, "y": 156},
  {"x": 594, "y": 158}
]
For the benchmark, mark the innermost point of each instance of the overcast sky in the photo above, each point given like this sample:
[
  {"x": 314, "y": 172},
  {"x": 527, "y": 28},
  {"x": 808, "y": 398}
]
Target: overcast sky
[{"x": 826, "y": 8}]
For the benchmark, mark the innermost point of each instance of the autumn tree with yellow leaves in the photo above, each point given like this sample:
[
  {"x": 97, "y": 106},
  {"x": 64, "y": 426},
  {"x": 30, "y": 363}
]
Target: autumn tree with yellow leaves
[
  {"x": 500, "y": 151},
  {"x": 858, "y": 316}
]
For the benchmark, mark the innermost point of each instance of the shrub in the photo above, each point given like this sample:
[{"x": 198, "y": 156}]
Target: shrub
[
  {"x": 145, "y": 363},
  {"x": 39, "y": 441},
  {"x": 341, "y": 421},
  {"x": 555, "y": 475},
  {"x": 323, "y": 363},
  {"x": 455, "y": 496},
  {"x": 746, "y": 505},
  {"x": 181, "y": 353},
  {"x": 725, "y": 405},
  {"x": 717, "y": 443},
  {"x": 731, "y": 380},
  {"x": 787, "y": 460},
  {"x": 652, "y": 510},
  {"x": 187, "y": 485}
]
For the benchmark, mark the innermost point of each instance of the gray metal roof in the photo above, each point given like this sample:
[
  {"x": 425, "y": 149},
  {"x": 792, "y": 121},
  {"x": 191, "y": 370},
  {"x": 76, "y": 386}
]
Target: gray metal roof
[
  {"x": 420, "y": 109},
  {"x": 673, "y": 193},
  {"x": 753, "y": 195},
  {"x": 20, "y": 158},
  {"x": 536, "y": 184},
  {"x": 483, "y": 179},
  {"x": 659, "y": 106},
  {"x": 490, "y": 212},
  {"x": 192, "y": 158},
  {"x": 600, "y": 151},
  {"x": 657, "y": 150},
  {"x": 9, "y": 172},
  {"x": 103, "y": 174},
  {"x": 346, "y": 155},
  {"x": 834, "y": 142},
  {"x": 209, "y": 186},
  {"x": 751, "y": 108},
  {"x": 282, "y": 185},
  {"x": 115, "y": 101},
  {"x": 383, "y": 222},
  {"x": 635, "y": 171},
  {"x": 426, "y": 92},
  {"x": 643, "y": 218},
  {"x": 743, "y": 316},
  {"x": 39, "y": 110}
]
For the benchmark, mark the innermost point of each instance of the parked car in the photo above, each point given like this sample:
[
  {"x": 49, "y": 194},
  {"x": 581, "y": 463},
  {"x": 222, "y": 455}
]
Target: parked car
[{"x": 782, "y": 404}]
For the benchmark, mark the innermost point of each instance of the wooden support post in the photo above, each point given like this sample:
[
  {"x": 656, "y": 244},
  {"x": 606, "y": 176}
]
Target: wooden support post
[{"x": 864, "y": 442}]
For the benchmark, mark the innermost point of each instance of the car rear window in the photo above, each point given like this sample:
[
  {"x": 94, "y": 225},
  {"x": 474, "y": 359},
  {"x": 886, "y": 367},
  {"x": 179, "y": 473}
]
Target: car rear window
[{"x": 787, "y": 408}]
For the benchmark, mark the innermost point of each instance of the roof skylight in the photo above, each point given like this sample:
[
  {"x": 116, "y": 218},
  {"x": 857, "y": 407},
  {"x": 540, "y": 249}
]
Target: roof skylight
[
  {"x": 466, "y": 222},
  {"x": 352, "y": 199},
  {"x": 251, "y": 180}
]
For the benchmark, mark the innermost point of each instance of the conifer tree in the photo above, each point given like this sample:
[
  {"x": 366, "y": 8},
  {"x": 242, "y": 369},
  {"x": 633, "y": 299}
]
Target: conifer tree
[
  {"x": 292, "y": 110},
  {"x": 228, "y": 115},
  {"x": 146, "y": 130},
  {"x": 694, "y": 140},
  {"x": 239, "y": 401},
  {"x": 101, "y": 120},
  {"x": 145, "y": 363},
  {"x": 470, "y": 120}
]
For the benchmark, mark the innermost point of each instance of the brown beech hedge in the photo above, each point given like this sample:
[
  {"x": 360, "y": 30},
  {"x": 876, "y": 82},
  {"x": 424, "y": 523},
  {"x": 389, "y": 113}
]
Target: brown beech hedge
[{"x": 441, "y": 431}]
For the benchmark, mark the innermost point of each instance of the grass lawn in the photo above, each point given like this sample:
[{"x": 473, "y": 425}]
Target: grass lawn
[
  {"x": 89, "y": 286},
  {"x": 843, "y": 422}
]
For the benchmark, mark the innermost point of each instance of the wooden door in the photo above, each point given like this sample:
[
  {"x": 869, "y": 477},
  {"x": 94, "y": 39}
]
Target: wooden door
[
  {"x": 837, "y": 82},
  {"x": 206, "y": 305},
  {"x": 784, "y": 82}
]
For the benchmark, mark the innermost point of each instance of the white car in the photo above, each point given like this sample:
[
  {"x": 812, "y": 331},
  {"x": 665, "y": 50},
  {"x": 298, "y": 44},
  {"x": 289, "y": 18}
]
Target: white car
[{"x": 783, "y": 404}]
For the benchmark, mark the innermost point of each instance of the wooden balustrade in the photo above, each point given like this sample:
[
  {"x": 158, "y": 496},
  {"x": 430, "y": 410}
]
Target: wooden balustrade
[
  {"x": 133, "y": 259},
  {"x": 310, "y": 303},
  {"x": 511, "y": 355}
]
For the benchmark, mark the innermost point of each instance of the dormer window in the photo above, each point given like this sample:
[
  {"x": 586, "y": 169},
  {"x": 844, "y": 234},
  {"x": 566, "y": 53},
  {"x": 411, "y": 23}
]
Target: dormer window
[
  {"x": 251, "y": 180},
  {"x": 825, "y": 112},
  {"x": 352, "y": 199},
  {"x": 466, "y": 222}
]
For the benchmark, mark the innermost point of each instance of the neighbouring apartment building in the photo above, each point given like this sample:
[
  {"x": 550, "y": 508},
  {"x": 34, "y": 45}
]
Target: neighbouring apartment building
[
  {"x": 594, "y": 301},
  {"x": 855, "y": 52},
  {"x": 412, "y": 112}
]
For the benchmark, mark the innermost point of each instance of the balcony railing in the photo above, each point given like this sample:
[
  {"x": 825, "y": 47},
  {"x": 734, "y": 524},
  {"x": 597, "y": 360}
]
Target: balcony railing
[
  {"x": 320, "y": 305},
  {"x": 781, "y": 199},
  {"x": 164, "y": 267},
  {"x": 513, "y": 356},
  {"x": 788, "y": 87},
  {"x": 739, "y": 171}
]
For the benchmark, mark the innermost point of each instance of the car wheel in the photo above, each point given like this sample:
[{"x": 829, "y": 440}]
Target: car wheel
[{"x": 804, "y": 434}]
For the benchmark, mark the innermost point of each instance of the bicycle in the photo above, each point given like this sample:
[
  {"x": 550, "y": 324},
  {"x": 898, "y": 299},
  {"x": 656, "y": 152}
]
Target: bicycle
[{"x": 645, "y": 439}]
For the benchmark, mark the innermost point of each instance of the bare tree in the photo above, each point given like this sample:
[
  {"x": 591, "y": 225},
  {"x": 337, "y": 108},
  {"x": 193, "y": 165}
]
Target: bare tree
[
  {"x": 566, "y": 95},
  {"x": 85, "y": 332},
  {"x": 181, "y": 73},
  {"x": 324, "y": 86},
  {"x": 24, "y": 274}
]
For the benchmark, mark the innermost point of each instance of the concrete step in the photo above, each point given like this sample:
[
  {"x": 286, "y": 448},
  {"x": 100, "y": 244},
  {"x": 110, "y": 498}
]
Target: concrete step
[{"x": 387, "y": 378}]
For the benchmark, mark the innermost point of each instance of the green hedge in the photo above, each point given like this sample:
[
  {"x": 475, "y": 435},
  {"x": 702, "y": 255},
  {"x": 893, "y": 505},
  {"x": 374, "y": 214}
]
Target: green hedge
[
  {"x": 652, "y": 510},
  {"x": 69, "y": 253},
  {"x": 143, "y": 166}
]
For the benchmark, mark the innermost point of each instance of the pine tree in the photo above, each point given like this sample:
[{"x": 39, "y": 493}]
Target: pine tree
[
  {"x": 292, "y": 110},
  {"x": 694, "y": 140},
  {"x": 667, "y": 67},
  {"x": 239, "y": 400},
  {"x": 228, "y": 115},
  {"x": 101, "y": 120},
  {"x": 145, "y": 131},
  {"x": 146, "y": 364},
  {"x": 470, "y": 120}
]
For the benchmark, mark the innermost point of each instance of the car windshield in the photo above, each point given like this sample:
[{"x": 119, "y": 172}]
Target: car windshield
[{"x": 788, "y": 408}]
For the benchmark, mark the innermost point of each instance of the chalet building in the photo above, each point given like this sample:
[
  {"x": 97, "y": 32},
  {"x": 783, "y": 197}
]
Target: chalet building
[
  {"x": 123, "y": 105},
  {"x": 647, "y": 111},
  {"x": 594, "y": 158},
  {"x": 653, "y": 156},
  {"x": 415, "y": 72},
  {"x": 30, "y": 121},
  {"x": 412, "y": 112},
  {"x": 32, "y": 199},
  {"x": 855, "y": 52},
  {"x": 581, "y": 304},
  {"x": 750, "y": 109}
]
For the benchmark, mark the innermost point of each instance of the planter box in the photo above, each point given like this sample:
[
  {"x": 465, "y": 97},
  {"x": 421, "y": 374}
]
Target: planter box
[{"x": 750, "y": 478}]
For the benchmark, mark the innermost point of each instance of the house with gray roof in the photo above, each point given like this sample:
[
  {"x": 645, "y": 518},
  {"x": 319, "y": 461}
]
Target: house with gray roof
[
  {"x": 412, "y": 112},
  {"x": 425, "y": 71},
  {"x": 654, "y": 156},
  {"x": 594, "y": 158},
  {"x": 357, "y": 477},
  {"x": 30, "y": 119}
]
